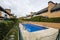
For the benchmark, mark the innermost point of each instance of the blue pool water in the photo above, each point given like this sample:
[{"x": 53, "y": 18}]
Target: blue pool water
[{"x": 33, "y": 28}]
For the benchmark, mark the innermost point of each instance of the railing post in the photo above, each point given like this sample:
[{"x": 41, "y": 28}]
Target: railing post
[
  {"x": 20, "y": 35},
  {"x": 58, "y": 36}
]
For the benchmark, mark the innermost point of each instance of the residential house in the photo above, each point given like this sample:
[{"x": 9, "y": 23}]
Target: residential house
[
  {"x": 52, "y": 11},
  {"x": 9, "y": 12},
  {"x": 29, "y": 16},
  {"x": 6, "y": 11}
]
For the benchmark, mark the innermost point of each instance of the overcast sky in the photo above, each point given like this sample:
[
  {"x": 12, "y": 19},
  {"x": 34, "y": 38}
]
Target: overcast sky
[{"x": 24, "y": 7}]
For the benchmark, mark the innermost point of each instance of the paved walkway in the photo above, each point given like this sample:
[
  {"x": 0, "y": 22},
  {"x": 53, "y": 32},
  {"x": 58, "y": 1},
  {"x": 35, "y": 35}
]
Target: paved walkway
[{"x": 53, "y": 25}]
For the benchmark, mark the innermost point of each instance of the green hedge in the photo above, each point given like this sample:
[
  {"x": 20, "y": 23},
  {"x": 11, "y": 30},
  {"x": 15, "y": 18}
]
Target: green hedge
[
  {"x": 6, "y": 25},
  {"x": 43, "y": 19}
]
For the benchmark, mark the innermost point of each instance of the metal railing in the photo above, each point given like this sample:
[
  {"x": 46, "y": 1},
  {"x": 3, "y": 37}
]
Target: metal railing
[{"x": 58, "y": 36}]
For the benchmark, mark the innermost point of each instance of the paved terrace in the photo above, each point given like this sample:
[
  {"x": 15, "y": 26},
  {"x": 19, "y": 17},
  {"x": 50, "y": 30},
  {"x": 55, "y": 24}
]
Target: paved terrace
[{"x": 53, "y": 25}]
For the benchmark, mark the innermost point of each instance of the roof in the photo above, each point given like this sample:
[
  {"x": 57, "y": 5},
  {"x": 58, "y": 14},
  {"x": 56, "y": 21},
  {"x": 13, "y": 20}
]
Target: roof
[
  {"x": 42, "y": 11},
  {"x": 51, "y": 2},
  {"x": 2, "y": 9},
  {"x": 1, "y": 17},
  {"x": 55, "y": 8}
]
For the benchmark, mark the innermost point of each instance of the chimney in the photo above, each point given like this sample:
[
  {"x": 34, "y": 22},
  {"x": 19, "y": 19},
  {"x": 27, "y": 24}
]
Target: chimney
[
  {"x": 0, "y": 13},
  {"x": 50, "y": 6}
]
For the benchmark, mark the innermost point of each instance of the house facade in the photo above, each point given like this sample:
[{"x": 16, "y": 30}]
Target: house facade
[
  {"x": 9, "y": 11},
  {"x": 52, "y": 11},
  {"x": 5, "y": 15}
]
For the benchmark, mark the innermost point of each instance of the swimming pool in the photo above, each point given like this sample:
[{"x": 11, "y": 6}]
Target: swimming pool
[{"x": 33, "y": 28}]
